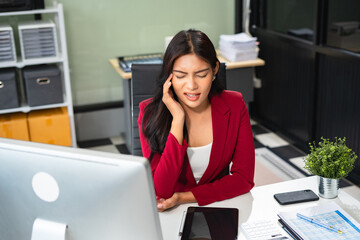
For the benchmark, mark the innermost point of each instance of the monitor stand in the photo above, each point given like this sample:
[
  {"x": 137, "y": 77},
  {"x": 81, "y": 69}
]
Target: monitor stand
[{"x": 45, "y": 230}]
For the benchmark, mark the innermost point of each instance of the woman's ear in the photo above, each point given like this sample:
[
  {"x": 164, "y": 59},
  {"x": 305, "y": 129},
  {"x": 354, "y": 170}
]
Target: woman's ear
[{"x": 216, "y": 69}]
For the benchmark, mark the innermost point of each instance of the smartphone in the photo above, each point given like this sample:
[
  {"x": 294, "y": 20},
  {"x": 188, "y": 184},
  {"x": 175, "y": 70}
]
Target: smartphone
[
  {"x": 210, "y": 223},
  {"x": 296, "y": 197}
]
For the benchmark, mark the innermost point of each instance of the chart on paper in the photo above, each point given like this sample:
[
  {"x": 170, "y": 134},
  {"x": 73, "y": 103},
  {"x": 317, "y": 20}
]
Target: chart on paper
[{"x": 335, "y": 219}]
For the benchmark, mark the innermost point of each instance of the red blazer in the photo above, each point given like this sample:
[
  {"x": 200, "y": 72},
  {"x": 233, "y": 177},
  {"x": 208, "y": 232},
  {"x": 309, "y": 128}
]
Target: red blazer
[{"x": 232, "y": 142}]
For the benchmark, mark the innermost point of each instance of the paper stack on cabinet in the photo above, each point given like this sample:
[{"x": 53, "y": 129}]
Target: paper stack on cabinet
[{"x": 238, "y": 47}]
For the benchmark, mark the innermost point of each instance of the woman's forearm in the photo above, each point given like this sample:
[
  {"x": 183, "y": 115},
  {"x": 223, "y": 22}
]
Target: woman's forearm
[
  {"x": 176, "y": 129},
  {"x": 186, "y": 197}
]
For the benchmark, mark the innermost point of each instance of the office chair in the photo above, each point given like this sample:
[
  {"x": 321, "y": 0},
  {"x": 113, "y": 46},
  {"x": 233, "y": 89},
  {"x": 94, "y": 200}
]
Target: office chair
[{"x": 143, "y": 86}]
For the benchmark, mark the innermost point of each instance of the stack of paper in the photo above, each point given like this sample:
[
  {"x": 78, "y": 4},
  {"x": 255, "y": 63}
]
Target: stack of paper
[
  {"x": 238, "y": 47},
  {"x": 329, "y": 215}
]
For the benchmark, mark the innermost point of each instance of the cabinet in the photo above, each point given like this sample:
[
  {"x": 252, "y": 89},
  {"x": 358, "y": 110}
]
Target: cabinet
[{"x": 55, "y": 13}]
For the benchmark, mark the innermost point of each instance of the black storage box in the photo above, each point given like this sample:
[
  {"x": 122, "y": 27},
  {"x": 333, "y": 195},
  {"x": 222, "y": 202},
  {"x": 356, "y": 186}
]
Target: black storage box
[
  {"x": 8, "y": 89},
  {"x": 43, "y": 85}
]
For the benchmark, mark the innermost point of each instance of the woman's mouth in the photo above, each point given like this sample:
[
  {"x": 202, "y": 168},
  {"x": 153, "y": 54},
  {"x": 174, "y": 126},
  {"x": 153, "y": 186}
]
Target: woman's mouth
[{"x": 192, "y": 96}]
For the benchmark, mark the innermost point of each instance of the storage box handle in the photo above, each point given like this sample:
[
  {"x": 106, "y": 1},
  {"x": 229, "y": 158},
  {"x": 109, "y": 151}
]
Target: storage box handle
[
  {"x": 42, "y": 81},
  {"x": 1, "y": 84}
]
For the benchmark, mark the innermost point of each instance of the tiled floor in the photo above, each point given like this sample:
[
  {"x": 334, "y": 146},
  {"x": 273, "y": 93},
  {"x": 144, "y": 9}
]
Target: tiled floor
[
  {"x": 276, "y": 159},
  {"x": 114, "y": 145},
  {"x": 273, "y": 157}
]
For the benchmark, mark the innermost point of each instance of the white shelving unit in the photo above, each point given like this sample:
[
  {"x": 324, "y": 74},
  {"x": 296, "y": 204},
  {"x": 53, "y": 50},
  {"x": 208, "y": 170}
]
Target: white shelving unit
[{"x": 62, "y": 61}]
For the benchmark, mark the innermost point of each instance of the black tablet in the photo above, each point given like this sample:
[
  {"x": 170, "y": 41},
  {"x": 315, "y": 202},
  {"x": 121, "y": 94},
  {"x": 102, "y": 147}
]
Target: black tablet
[
  {"x": 210, "y": 223},
  {"x": 296, "y": 197}
]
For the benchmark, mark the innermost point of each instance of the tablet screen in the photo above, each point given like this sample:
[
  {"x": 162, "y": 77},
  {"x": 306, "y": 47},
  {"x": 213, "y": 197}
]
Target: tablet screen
[{"x": 203, "y": 223}]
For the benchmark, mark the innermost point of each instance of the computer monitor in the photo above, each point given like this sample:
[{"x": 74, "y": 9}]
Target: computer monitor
[{"x": 53, "y": 192}]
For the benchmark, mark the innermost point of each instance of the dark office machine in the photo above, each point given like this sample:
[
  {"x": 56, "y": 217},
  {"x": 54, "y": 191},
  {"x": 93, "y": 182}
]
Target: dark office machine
[
  {"x": 305, "y": 33},
  {"x": 126, "y": 62},
  {"x": 20, "y": 5},
  {"x": 345, "y": 35}
]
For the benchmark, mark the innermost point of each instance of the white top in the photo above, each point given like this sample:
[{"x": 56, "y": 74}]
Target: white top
[{"x": 199, "y": 158}]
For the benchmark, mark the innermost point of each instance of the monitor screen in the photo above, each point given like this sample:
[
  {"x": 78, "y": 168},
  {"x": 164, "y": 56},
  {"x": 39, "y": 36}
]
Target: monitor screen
[{"x": 54, "y": 192}]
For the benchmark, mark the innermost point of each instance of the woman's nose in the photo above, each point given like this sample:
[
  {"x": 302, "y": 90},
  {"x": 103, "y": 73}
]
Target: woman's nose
[{"x": 191, "y": 83}]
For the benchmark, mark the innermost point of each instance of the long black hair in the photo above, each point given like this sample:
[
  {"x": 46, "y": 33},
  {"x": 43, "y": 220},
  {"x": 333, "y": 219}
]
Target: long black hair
[{"x": 157, "y": 118}]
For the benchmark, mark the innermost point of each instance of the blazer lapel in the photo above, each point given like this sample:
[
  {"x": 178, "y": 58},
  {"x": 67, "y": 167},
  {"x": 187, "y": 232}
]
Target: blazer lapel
[{"x": 220, "y": 114}]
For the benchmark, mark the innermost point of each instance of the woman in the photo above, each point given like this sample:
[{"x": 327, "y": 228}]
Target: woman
[{"x": 192, "y": 129}]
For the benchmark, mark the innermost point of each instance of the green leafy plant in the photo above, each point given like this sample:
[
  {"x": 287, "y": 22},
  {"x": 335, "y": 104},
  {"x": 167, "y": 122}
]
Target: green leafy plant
[{"x": 330, "y": 159}]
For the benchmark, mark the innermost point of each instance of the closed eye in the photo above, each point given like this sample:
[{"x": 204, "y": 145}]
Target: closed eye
[
  {"x": 202, "y": 76},
  {"x": 180, "y": 77}
]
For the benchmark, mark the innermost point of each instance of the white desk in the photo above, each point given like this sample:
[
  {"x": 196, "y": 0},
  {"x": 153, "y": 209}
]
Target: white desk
[{"x": 260, "y": 204}]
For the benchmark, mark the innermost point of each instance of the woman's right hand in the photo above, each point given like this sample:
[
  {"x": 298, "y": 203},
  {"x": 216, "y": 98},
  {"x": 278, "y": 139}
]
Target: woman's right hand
[
  {"x": 172, "y": 105},
  {"x": 175, "y": 109}
]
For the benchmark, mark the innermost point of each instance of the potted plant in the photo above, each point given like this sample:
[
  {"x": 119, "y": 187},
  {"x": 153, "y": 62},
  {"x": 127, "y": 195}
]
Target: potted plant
[{"x": 330, "y": 161}]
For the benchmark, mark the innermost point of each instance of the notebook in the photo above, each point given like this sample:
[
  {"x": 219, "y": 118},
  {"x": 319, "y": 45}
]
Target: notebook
[{"x": 329, "y": 214}]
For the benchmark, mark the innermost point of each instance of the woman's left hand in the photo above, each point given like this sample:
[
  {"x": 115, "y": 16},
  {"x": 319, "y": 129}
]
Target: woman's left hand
[{"x": 163, "y": 204}]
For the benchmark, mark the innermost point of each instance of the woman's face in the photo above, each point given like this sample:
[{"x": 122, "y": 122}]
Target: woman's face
[{"x": 192, "y": 79}]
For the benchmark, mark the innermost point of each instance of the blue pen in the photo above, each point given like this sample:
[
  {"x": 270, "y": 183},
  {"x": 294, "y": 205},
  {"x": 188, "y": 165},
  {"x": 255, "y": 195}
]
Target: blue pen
[{"x": 311, "y": 220}]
